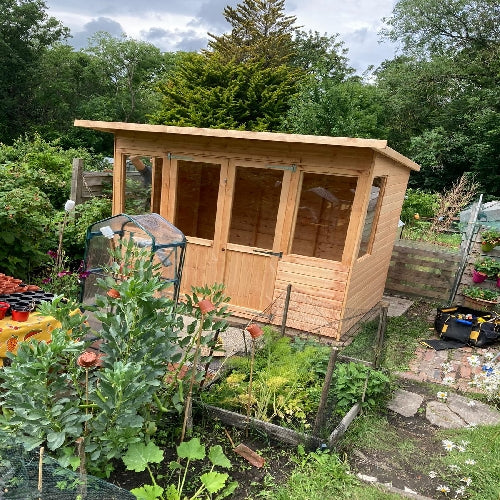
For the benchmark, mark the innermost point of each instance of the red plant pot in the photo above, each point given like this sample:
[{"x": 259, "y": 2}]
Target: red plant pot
[
  {"x": 4, "y": 307},
  {"x": 20, "y": 315},
  {"x": 478, "y": 277}
]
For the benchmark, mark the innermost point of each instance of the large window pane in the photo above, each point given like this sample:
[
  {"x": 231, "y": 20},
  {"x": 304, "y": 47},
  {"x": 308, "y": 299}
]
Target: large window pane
[
  {"x": 196, "y": 195},
  {"x": 255, "y": 206},
  {"x": 371, "y": 216},
  {"x": 323, "y": 215}
]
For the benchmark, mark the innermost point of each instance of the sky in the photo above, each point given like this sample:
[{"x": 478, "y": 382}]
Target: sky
[{"x": 173, "y": 25}]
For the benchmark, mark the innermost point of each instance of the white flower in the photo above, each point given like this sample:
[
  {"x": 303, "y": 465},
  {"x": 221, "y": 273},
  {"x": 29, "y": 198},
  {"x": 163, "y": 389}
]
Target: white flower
[
  {"x": 69, "y": 205},
  {"x": 461, "y": 448},
  {"x": 470, "y": 461},
  {"x": 107, "y": 232},
  {"x": 474, "y": 360},
  {"x": 489, "y": 355},
  {"x": 454, "y": 468},
  {"x": 448, "y": 445},
  {"x": 471, "y": 402},
  {"x": 448, "y": 380},
  {"x": 460, "y": 491},
  {"x": 432, "y": 474},
  {"x": 466, "y": 480},
  {"x": 447, "y": 367},
  {"x": 464, "y": 442},
  {"x": 443, "y": 489},
  {"x": 442, "y": 396}
]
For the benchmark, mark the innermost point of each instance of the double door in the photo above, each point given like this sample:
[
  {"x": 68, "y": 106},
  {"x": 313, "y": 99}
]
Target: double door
[{"x": 232, "y": 214}]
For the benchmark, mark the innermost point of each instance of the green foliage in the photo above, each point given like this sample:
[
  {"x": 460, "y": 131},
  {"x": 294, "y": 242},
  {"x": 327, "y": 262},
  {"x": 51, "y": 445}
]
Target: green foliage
[
  {"x": 139, "y": 456},
  {"x": 112, "y": 407},
  {"x": 419, "y": 202},
  {"x": 26, "y": 31},
  {"x": 355, "y": 380},
  {"x": 286, "y": 385},
  {"x": 476, "y": 292},
  {"x": 261, "y": 32},
  {"x": 205, "y": 91},
  {"x": 317, "y": 475},
  {"x": 488, "y": 266}
]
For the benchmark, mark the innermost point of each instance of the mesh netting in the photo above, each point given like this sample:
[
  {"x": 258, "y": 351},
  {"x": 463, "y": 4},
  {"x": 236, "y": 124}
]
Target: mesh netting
[{"x": 22, "y": 477}]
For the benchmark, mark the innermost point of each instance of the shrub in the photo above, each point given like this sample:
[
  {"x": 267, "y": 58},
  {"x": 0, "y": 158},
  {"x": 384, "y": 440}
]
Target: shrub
[{"x": 418, "y": 202}]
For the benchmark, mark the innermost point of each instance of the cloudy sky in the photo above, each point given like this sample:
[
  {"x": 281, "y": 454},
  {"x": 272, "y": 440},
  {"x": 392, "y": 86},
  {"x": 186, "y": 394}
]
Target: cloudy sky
[{"x": 175, "y": 25}]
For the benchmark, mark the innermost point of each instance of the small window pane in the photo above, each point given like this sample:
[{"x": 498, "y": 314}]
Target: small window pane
[
  {"x": 371, "y": 216},
  {"x": 256, "y": 201},
  {"x": 196, "y": 195},
  {"x": 323, "y": 215}
]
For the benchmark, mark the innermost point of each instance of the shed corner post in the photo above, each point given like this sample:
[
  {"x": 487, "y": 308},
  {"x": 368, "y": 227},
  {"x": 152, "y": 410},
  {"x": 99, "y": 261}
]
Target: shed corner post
[{"x": 119, "y": 179}]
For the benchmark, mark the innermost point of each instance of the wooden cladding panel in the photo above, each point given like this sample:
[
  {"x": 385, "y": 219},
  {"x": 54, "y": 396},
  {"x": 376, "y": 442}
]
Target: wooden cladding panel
[{"x": 197, "y": 266}]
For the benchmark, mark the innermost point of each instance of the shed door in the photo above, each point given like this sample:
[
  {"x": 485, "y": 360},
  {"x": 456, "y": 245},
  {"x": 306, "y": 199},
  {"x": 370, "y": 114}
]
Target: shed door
[{"x": 253, "y": 225}]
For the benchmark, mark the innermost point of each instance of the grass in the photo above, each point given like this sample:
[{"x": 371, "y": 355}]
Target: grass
[
  {"x": 401, "y": 339},
  {"x": 480, "y": 445},
  {"x": 324, "y": 475},
  {"x": 422, "y": 233}
]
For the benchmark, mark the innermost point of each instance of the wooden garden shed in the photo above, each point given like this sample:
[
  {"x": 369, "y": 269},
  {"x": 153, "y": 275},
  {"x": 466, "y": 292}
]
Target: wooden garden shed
[{"x": 263, "y": 210}]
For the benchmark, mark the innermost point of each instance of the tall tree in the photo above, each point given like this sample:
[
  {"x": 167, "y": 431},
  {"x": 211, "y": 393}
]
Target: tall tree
[
  {"x": 260, "y": 32},
  {"x": 26, "y": 31},
  {"x": 210, "y": 92},
  {"x": 442, "y": 94}
]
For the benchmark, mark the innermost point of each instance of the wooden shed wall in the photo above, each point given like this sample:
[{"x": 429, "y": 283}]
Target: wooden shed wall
[
  {"x": 369, "y": 272},
  {"x": 319, "y": 286}
]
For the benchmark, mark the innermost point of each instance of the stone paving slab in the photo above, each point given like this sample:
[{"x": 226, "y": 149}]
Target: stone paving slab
[
  {"x": 439, "y": 414},
  {"x": 473, "y": 412},
  {"x": 405, "y": 403}
]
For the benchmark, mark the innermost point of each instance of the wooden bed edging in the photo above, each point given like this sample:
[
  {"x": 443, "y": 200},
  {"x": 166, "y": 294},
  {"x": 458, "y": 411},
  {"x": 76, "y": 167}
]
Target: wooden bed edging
[{"x": 283, "y": 434}]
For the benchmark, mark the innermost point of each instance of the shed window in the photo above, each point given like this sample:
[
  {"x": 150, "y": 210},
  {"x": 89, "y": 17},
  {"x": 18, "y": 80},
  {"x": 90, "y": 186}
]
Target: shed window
[
  {"x": 196, "y": 198},
  {"x": 371, "y": 219},
  {"x": 255, "y": 206},
  {"x": 323, "y": 215}
]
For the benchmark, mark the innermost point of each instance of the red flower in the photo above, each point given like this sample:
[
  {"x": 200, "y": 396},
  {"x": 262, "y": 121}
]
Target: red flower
[{"x": 87, "y": 359}]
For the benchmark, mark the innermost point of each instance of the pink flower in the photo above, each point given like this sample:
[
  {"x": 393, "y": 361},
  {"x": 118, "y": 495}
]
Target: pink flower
[
  {"x": 84, "y": 274},
  {"x": 60, "y": 274},
  {"x": 46, "y": 280},
  {"x": 52, "y": 254}
]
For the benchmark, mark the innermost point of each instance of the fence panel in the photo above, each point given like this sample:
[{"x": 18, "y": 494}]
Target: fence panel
[{"x": 421, "y": 270}]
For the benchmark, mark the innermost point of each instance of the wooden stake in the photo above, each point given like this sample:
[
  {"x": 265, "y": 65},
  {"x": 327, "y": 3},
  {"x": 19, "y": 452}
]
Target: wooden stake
[
  {"x": 379, "y": 341},
  {"x": 320, "y": 415},
  {"x": 40, "y": 471}
]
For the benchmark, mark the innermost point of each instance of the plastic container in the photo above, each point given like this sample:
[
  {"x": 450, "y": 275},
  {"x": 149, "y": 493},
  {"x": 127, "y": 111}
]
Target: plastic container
[
  {"x": 20, "y": 315},
  {"x": 4, "y": 307}
]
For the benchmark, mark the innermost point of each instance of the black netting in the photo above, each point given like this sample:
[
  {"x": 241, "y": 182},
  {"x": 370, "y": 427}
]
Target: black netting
[{"x": 23, "y": 477}]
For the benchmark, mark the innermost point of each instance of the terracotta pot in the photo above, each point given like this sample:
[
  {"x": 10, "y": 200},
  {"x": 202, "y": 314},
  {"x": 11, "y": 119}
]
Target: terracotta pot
[
  {"x": 480, "y": 304},
  {"x": 254, "y": 330},
  {"x": 478, "y": 277},
  {"x": 205, "y": 306},
  {"x": 20, "y": 315}
]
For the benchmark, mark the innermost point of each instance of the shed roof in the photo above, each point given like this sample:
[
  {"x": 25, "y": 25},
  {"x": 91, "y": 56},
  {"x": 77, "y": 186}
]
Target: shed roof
[{"x": 377, "y": 145}]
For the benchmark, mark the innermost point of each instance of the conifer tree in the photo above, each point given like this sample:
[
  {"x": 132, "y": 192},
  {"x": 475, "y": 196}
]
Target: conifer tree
[{"x": 261, "y": 32}]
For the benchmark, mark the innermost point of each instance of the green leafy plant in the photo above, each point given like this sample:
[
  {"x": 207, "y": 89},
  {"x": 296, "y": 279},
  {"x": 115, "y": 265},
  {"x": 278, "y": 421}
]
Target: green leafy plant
[
  {"x": 491, "y": 237},
  {"x": 286, "y": 385},
  {"x": 476, "y": 292},
  {"x": 488, "y": 266},
  {"x": 139, "y": 457},
  {"x": 116, "y": 405},
  {"x": 418, "y": 202},
  {"x": 354, "y": 382}
]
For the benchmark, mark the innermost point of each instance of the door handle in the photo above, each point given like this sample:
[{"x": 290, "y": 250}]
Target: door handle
[{"x": 265, "y": 252}]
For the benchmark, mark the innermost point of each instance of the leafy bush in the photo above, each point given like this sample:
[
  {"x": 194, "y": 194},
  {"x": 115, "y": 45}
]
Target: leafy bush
[
  {"x": 418, "y": 202},
  {"x": 108, "y": 408},
  {"x": 354, "y": 379}
]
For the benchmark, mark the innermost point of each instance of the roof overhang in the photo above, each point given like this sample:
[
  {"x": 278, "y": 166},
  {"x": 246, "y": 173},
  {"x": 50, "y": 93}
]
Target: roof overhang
[{"x": 377, "y": 145}]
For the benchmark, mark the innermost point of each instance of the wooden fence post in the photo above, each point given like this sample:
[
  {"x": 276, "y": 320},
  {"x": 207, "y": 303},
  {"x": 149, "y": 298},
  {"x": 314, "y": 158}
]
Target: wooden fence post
[
  {"x": 77, "y": 181},
  {"x": 379, "y": 341}
]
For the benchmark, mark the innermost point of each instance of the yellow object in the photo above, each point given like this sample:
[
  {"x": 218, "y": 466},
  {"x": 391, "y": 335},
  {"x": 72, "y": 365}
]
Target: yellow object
[
  {"x": 474, "y": 334},
  {"x": 13, "y": 332},
  {"x": 445, "y": 327}
]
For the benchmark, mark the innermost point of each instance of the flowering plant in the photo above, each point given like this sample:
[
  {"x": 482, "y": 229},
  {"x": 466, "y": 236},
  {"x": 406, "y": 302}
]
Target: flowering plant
[{"x": 488, "y": 379}]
